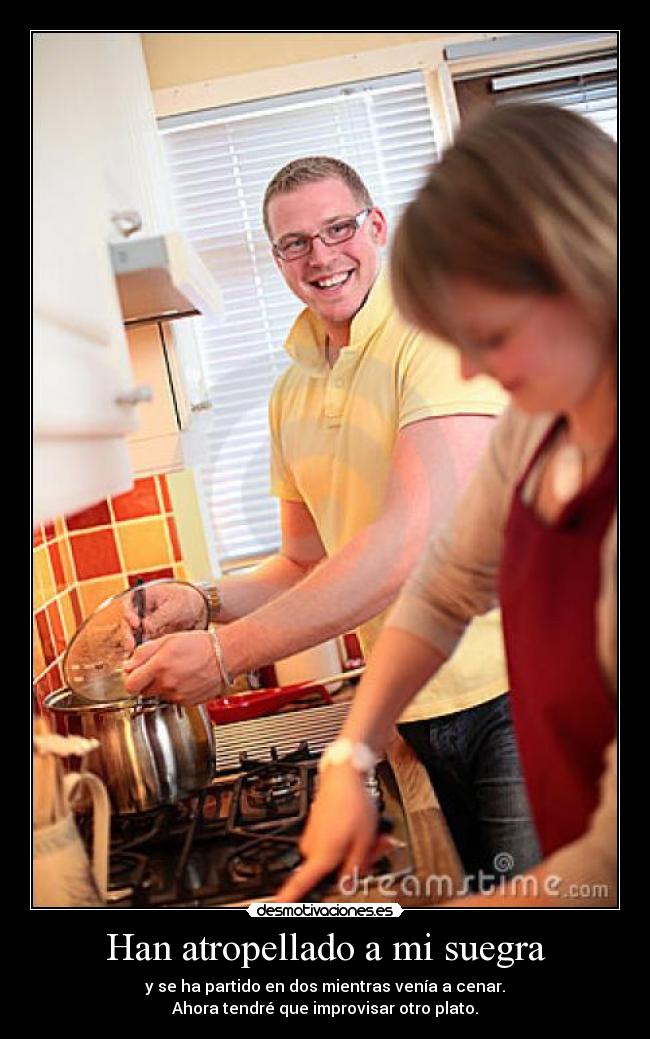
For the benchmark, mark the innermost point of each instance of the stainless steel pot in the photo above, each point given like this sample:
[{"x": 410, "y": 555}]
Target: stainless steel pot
[{"x": 150, "y": 752}]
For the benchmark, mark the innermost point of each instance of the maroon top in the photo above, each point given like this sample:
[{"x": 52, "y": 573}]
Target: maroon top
[{"x": 564, "y": 712}]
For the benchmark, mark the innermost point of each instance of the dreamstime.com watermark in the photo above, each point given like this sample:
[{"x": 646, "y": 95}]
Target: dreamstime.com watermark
[{"x": 436, "y": 887}]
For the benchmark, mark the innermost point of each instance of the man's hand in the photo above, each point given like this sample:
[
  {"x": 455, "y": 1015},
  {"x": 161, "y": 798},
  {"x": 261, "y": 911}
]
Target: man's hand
[
  {"x": 182, "y": 668},
  {"x": 169, "y": 607},
  {"x": 341, "y": 831}
]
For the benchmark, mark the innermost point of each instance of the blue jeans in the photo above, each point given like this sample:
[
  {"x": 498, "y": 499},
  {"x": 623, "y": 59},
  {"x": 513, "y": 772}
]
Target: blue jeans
[{"x": 472, "y": 759}]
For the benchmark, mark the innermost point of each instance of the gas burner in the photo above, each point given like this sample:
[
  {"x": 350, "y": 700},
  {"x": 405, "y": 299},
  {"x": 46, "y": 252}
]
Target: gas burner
[
  {"x": 272, "y": 791},
  {"x": 272, "y": 788},
  {"x": 263, "y": 861},
  {"x": 237, "y": 838},
  {"x": 302, "y": 753},
  {"x": 274, "y": 794}
]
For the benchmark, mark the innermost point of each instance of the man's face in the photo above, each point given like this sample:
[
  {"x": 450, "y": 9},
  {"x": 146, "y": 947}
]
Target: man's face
[{"x": 333, "y": 280}]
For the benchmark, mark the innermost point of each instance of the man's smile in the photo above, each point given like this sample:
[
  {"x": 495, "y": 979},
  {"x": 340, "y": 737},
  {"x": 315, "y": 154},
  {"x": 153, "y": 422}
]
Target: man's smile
[{"x": 331, "y": 281}]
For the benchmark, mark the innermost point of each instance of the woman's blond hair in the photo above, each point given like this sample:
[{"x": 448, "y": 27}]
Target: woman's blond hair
[{"x": 523, "y": 201}]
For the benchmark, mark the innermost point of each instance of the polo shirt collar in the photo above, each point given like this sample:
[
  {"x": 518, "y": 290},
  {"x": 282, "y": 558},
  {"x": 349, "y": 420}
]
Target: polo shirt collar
[{"x": 307, "y": 337}]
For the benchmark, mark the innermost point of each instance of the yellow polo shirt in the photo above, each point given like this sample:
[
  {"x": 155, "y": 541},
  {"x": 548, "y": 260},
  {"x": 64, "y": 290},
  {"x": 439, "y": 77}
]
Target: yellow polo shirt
[{"x": 333, "y": 432}]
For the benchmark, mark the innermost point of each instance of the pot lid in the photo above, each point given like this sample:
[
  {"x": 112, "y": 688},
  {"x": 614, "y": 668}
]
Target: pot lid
[{"x": 93, "y": 661}]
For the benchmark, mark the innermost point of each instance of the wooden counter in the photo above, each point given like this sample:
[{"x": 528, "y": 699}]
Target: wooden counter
[{"x": 438, "y": 872}]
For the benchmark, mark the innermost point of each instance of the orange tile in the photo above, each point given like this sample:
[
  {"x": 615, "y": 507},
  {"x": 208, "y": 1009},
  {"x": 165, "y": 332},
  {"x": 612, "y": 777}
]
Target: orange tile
[
  {"x": 94, "y": 593},
  {"x": 38, "y": 535},
  {"x": 144, "y": 545},
  {"x": 66, "y": 559},
  {"x": 37, "y": 592},
  {"x": 44, "y": 583},
  {"x": 56, "y": 627},
  {"x": 97, "y": 516},
  {"x": 38, "y": 657},
  {"x": 69, "y": 623},
  {"x": 141, "y": 501},
  {"x": 95, "y": 554},
  {"x": 59, "y": 527},
  {"x": 181, "y": 573}
]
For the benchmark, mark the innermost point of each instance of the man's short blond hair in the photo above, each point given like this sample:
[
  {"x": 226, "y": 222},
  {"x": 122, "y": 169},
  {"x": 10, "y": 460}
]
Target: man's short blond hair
[{"x": 308, "y": 170}]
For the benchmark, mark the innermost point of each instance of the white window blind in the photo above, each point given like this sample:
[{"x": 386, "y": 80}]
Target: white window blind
[
  {"x": 220, "y": 162},
  {"x": 589, "y": 88}
]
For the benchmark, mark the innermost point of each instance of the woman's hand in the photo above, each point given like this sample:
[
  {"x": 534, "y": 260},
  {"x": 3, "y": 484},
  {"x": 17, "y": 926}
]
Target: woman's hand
[
  {"x": 341, "y": 832},
  {"x": 182, "y": 668}
]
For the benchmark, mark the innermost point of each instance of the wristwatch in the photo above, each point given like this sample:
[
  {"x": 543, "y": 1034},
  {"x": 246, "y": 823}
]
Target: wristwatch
[
  {"x": 359, "y": 755},
  {"x": 212, "y": 597}
]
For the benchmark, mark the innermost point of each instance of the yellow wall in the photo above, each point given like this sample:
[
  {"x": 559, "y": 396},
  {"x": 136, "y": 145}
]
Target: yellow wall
[{"x": 176, "y": 58}]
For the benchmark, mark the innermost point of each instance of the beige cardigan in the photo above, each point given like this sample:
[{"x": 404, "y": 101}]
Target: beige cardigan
[{"x": 457, "y": 579}]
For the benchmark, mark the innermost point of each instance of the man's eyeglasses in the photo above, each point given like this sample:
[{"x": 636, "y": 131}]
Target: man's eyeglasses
[{"x": 293, "y": 246}]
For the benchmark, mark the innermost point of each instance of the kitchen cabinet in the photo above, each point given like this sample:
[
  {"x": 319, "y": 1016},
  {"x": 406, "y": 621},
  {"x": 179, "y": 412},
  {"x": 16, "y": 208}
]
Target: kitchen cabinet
[
  {"x": 171, "y": 433},
  {"x": 95, "y": 161},
  {"x": 100, "y": 180},
  {"x": 81, "y": 363},
  {"x": 132, "y": 161}
]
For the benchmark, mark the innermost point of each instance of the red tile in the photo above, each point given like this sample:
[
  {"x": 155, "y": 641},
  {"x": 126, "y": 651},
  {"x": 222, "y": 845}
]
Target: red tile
[
  {"x": 45, "y": 636},
  {"x": 50, "y": 682},
  {"x": 95, "y": 555},
  {"x": 49, "y": 531},
  {"x": 173, "y": 535},
  {"x": 57, "y": 565},
  {"x": 76, "y": 606},
  {"x": 164, "y": 490},
  {"x": 97, "y": 516},
  {"x": 56, "y": 627},
  {"x": 141, "y": 501},
  {"x": 38, "y": 536},
  {"x": 42, "y": 689},
  {"x": 56, "y": 679},
  {"x": 150, "y": 575}
]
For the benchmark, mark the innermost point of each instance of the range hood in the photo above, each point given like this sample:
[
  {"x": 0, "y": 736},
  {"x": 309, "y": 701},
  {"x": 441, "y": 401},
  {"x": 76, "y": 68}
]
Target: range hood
[{"x": 162, "y": 279}]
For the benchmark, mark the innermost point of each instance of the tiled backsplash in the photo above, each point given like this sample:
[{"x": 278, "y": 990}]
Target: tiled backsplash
[{"x": 80, "y": 560}]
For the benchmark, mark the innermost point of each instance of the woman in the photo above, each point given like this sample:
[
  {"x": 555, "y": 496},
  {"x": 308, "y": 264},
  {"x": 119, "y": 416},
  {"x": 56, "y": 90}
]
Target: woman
[{"x": 509, "y": 251}]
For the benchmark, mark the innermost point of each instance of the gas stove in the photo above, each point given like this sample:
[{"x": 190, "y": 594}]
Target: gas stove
[{"x": 236, "y": 841}]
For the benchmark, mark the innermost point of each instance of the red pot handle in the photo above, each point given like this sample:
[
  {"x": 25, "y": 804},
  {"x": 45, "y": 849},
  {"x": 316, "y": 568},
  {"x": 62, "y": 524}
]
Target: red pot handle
[{"x": 242, "y": 706}]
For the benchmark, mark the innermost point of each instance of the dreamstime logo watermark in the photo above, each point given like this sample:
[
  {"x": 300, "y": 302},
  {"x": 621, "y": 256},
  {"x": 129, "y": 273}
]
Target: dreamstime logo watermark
[
  {"x": 504, "y": 863},
  {"x": 436, "y": 887}
]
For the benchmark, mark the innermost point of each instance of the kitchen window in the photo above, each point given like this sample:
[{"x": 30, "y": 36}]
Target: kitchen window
[
  {"x": 219, "y": 163},
  {"x": 587, "y": 85}
]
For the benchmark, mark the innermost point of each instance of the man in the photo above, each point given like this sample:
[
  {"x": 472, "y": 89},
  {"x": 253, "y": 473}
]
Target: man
[{"x": 374, "y": 434}]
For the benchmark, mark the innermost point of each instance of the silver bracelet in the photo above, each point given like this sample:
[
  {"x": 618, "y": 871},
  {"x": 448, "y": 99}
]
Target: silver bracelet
[{"x": 218, "y": 652}]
